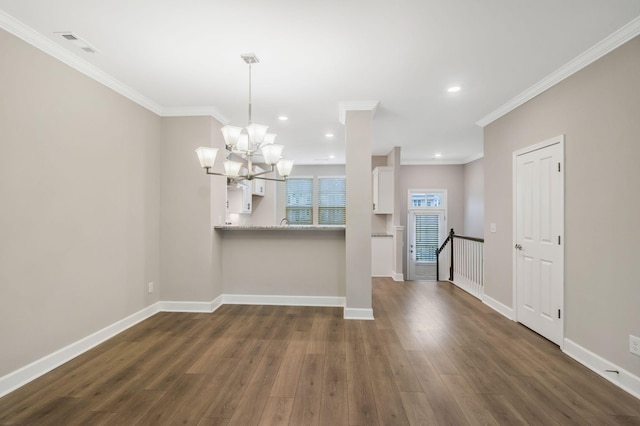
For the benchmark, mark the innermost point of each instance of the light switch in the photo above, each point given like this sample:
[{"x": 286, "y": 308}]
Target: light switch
[{"x": 493, "y": 227}]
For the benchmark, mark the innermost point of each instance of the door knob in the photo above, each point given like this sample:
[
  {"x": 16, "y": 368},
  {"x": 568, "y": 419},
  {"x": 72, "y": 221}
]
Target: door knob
[{"x": 519, "y": 246}]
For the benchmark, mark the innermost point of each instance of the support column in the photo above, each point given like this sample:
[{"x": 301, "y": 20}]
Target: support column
[
  {"x": 393, "y": 159},
  {"x": 357, "y": 118}
]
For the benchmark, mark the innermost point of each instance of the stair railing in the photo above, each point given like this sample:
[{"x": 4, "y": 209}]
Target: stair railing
[{"x": 466, "y": 257}]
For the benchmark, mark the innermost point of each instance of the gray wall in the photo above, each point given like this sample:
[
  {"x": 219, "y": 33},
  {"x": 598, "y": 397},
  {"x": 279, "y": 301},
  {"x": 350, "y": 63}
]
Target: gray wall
[
  {"x": 192, "y": 203},
  {"x": 79, "y": 190},
  {"x": 449, "y": 177},
  {"x": 474, "y": 199},
  {"x": 598, "y": 111}
]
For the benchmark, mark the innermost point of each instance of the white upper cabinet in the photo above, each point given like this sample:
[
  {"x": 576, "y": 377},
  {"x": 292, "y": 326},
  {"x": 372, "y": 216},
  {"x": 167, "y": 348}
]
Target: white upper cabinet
[
  {"x": 383, "y": 190},
  {"x": 239, "y": 199},
  {"x": 258, "y": 185}
]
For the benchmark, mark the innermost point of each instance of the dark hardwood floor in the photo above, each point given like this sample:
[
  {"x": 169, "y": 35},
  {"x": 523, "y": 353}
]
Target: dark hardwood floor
[{"x": 434, "y": 355}]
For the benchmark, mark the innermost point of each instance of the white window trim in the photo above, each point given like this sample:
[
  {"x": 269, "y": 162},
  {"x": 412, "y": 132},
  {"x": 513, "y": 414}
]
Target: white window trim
[{"x": 442, "y": 192}]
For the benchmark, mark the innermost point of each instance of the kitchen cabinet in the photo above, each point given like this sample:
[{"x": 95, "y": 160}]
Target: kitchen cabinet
[
  {"x": 383, "y": 190},
  {"x": 258, "y": 186},
  {"x": 239, "y": 198},
  {"x": 381, "y": 255}
]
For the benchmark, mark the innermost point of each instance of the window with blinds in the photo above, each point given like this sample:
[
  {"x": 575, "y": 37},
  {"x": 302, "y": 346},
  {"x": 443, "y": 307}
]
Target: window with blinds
[
  {"x": 332, "y": 201},
  {"x": 300, "y": 201},
  {"x": 427, "y": 232}
]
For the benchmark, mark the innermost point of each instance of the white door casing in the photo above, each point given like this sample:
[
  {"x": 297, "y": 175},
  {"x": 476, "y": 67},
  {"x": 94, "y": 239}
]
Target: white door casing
[
  {"x": 420, "y": 261},
  {"x": 539, "y": 238}
]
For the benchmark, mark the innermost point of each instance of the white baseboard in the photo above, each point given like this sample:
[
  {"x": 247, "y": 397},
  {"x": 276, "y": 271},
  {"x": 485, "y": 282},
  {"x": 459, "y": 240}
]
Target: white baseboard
[
  {"x": 250, "y": 299},
  {"x": 204, "y": 307},
  {"x": 398, "y": 276},
  {"x": 498, "y": 307},
  {"x": 623, "y": 379},
  {"x": 24, "y": 375},
  {"x": 470, "y": 287},
  {"x": 358, "y": 314}
]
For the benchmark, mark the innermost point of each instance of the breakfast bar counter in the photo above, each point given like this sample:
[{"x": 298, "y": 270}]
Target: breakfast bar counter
[{"x": 288, "y": 264}]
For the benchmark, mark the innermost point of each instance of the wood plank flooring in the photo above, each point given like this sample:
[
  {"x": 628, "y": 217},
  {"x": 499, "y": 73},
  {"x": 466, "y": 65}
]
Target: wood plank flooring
[{"x": 433, "y": 356}]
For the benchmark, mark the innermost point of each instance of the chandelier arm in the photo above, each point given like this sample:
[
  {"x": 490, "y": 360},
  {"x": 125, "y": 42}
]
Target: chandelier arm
[
  {"x": 209, "y": 172},
  {"x": 273, "y": 179},
  {"x": 263, "y": 173},
  {"x": 234, "y": 178}
]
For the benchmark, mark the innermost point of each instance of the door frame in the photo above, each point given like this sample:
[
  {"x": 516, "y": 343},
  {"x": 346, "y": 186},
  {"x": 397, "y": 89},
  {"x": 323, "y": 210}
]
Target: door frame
[
  {"x": 514, "y": 257},
  {"x": 444, "y": 208},
  {"x": 411, "y": 234}
]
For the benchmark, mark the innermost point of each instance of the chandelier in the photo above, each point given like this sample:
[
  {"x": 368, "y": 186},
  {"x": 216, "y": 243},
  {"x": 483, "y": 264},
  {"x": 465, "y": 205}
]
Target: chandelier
[{"x": 246, "y": 143}]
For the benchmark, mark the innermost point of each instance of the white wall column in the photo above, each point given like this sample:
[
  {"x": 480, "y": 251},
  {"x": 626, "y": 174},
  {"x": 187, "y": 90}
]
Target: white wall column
[
  {"x": 357, "y": 118},
  {"x": 393, "y": 160},
  {"x": 398, "y": 252}
]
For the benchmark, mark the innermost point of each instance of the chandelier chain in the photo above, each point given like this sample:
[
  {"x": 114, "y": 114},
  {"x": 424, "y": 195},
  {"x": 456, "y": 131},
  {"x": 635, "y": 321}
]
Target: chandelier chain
[{"x": 250, "y": 93}]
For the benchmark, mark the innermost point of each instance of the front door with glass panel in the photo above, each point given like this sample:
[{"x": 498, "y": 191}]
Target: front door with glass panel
[
  {"x": 425, "y": 236},
  {"x": 426, "y": 229}
]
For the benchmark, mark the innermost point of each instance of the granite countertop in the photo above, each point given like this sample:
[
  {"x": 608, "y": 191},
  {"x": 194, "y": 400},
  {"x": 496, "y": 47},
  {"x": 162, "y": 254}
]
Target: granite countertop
[
  {"x": 281, "y": 228},
  {"x": 381, "y": 235}
]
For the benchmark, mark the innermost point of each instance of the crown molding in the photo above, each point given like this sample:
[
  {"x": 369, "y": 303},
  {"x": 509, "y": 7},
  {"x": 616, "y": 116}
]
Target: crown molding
[
  {"x": 431, "y": 162},
  {"x": 29, "y": 35},
  {"x": 473, "y": 158},
  {"x": 343, "y": 107},
  {"x": 621, "y": 36},
  {"x": 441, "y": 162},
  {"x": 194, "y": 111}
]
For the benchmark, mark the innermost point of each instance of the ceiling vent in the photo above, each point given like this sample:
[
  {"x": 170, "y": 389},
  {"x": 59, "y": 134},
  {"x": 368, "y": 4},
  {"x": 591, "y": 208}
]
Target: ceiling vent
[{"x": 78, "y": 42}]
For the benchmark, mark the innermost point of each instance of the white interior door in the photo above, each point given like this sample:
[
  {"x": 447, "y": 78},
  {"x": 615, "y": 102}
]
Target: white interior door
[
  {"x": 539, "y": 227},
  {"x": 425, "y": 236}
]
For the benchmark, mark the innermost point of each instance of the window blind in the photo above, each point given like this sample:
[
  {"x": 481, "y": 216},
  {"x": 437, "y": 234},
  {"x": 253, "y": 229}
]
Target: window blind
[
  {"x": 332, "y": 201},
  {"x": 427, "y": 232},
  {"x": 300, "y": 201}
]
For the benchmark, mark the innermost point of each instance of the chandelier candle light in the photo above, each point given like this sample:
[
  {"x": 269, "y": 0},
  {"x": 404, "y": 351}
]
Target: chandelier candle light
[{"x": 246, "y": 144}]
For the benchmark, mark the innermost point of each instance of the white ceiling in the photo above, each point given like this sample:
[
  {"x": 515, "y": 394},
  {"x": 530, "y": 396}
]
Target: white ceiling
[{"x": 180, "y": 57}]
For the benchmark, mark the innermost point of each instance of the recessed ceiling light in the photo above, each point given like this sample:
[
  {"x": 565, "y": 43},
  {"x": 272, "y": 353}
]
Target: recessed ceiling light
[
  {"x": 453, "y": 89},
  {"x": 283, "y": 118},
  {"x": 328, "y": 135},
  {"x": 437, "y": 155},
  {"x": 332, "y": 156}
]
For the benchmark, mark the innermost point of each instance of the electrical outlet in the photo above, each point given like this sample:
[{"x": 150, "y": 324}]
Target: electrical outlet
[
  {"x": 634, "y": 345},
  {"x": 150, "y": 287}
]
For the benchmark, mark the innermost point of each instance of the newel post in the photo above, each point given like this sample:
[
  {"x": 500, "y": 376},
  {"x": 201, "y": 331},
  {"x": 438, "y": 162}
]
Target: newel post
[{"x": 451, "y": 235}]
